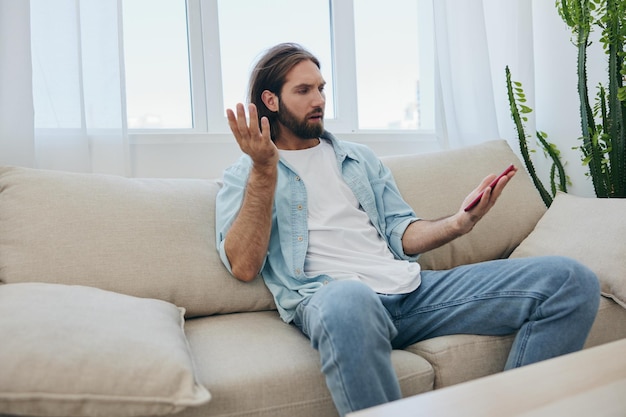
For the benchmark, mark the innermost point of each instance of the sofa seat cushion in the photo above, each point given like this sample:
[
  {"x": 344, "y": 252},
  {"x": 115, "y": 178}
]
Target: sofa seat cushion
[
  {"x": 459, "y": 358},
  {"x": 610, "y": 323},
  {"x": 152, "y": 238},
  {"x": 590, "y": 230},
  {"x": 81, "y": 351},
  {"x": 255, "y": 364}
]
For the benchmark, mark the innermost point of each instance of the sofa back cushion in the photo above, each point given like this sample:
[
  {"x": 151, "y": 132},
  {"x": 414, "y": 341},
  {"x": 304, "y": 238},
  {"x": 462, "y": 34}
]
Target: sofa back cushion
[
  {"x": 151, "y": 238},
  {"x": 435, "y": 185},
  {"x": 155, "y": 238}
]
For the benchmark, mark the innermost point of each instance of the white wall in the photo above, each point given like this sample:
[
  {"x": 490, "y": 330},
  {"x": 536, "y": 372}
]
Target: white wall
[{"x": 195, "y": 157}]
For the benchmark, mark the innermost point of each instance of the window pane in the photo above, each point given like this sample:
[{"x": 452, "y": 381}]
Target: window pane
[
  {"x": 249, "y": 27},
  {"x": 157, "y": 64},
  {"x": 390, "y": 76}
]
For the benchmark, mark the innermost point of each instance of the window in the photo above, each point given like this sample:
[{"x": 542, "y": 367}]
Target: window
[
  {"x": 156, "y": 62},
  {"x": 238, "y": 47},
  {"x": 186, "y": 61},
  {"x": 392, "y": 76}
]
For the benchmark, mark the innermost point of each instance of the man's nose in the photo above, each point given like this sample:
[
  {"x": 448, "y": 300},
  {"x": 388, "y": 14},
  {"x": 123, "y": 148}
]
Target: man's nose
[{"x": 319, "y": 99}]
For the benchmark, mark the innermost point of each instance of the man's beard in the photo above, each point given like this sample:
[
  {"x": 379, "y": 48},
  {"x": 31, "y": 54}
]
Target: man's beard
[{"x": 301, "y": 128}]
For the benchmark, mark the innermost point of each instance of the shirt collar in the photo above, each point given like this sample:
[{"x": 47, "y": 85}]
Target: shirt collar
[{"x": 340, "y": 150}]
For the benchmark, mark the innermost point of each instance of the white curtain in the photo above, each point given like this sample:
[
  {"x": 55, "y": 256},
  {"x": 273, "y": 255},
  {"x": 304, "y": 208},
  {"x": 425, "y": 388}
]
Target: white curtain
[
  {"x": 16, "y": 100},
  {"x": 475, "y": 40},
  {"x": 78, "y": 86}
]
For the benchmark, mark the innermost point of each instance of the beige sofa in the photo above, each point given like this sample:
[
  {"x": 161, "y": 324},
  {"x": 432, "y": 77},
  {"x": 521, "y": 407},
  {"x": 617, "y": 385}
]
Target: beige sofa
[{"x": 101, "y": 273}]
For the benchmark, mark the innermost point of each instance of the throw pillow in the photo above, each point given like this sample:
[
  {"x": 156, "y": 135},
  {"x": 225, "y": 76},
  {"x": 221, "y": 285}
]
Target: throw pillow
[
  {"x": 81, "y": 351},
  {"x": 590, "y": 230}
]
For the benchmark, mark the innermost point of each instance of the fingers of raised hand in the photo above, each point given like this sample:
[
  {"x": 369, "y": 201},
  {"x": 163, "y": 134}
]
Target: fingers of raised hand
[
  {"x": 252, "y": 139},
  {"x": 238, "y": 123},
  {"x": 265, "y": 128}
]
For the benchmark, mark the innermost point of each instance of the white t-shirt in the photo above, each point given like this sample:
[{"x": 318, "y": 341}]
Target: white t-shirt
[{"x": 343, "y": 243}]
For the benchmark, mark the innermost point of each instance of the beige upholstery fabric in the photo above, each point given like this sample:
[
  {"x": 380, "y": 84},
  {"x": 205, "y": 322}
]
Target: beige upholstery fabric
[
  {"x": 435, "y": 185},
  {"x": 152, "y": 238},
  {"x": 460, "y": 358},
  {"x": 610, "y": 323},
  {"x": 590, "y": 230},
  {"x": 155, "y": 238},
  {"x": 81, "y": 351},
  {"x": 255, "y": 364}
]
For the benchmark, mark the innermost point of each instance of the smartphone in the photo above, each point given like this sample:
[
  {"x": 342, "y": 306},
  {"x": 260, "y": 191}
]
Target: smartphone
[{"x": 493, "y": 184}]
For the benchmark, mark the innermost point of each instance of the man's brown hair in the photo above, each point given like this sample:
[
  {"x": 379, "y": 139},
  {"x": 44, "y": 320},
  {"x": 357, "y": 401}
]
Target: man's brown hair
[{"x": 270, "y": 73}]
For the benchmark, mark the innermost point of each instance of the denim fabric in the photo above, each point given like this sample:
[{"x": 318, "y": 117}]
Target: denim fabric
[
  {"x": 283, "y": 271},
  {"x": 549, "y": 302}
]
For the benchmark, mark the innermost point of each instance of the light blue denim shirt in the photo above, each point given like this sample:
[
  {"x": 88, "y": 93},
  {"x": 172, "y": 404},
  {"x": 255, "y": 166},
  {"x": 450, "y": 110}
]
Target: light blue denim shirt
[{"x": 283, "y": 270}]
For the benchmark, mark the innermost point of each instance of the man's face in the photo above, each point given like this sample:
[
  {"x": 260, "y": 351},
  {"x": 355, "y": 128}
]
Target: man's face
[{"x": 302, "y": 101}]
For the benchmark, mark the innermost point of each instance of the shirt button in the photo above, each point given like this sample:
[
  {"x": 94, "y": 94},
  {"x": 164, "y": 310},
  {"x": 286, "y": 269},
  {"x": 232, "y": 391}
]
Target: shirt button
[
  {"x": 299, "y": 206},
  {"x": 325, "y": 282},
  {"x": 297, "y": 178},
  {"x": 298, "y": 271},
  {"x": 299, "y": 238}
]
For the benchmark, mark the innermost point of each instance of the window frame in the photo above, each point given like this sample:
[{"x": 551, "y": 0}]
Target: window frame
[{"x": 208, "y": 111}]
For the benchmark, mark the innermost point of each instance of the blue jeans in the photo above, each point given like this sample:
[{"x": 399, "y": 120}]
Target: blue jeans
[{"x": 550, "y": 302}]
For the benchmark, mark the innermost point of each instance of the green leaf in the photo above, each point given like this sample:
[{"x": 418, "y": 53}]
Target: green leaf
[{"x": 525, "y": 109}]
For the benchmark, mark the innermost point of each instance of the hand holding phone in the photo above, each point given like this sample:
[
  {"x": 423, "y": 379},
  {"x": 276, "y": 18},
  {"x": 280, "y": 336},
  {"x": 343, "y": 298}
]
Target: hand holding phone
[{"x": 475, "y": 201}]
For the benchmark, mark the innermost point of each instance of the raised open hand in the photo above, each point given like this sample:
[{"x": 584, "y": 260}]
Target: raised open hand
[{"x": 253, "y": 140}]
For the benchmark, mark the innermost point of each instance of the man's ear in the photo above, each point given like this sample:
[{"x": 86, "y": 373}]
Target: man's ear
[{"x": 270, "y": 100}]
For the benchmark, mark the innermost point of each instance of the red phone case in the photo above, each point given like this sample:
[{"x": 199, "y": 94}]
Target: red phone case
[{"x": 493, "y": 184}]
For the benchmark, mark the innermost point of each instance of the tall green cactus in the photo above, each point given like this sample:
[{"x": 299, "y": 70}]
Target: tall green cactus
[
  {"x": 519, "y": 110},
  {"x": 603, "y": 142}
]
